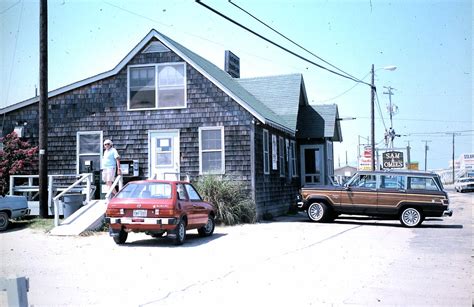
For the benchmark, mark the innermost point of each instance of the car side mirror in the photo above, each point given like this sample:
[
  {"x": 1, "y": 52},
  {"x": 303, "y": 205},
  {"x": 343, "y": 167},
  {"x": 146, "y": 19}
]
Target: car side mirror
[{"x": 347, "y": 187}]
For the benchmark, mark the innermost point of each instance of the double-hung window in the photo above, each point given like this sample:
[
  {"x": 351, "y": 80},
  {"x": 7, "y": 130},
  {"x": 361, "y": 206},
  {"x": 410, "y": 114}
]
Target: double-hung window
[
  {"x": 211, "y": 150},
  {"x": 292, "y": 160},
  {"x": 89, "y": 151},
  {"x": 157, "y": 86},
  {"x": 266, "y": 153},
  {"x": 281, "y": 155}
]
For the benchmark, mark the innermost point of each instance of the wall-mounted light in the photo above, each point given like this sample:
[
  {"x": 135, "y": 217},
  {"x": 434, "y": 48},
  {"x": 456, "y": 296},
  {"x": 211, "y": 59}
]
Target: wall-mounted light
[{"x": 20, "y": 128}]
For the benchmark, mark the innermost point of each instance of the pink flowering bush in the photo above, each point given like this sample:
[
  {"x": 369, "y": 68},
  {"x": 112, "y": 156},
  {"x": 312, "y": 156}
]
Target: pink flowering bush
[{"x": 17, "y": 157}]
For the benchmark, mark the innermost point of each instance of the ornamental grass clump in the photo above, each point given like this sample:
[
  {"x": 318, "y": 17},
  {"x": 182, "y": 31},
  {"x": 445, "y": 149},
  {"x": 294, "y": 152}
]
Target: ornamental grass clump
[{"x": 231, "y": 199}]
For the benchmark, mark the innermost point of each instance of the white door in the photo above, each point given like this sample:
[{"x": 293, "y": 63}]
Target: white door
[
  {"x": 164, "y": 154},
  {"x": 312, "y": 166}
]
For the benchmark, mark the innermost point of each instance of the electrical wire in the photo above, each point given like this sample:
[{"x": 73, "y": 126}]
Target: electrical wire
[
  {"x": 343, "y": 93},
  {"x": 10, "y": 7},
  {"x": 287, "y": 38},
  {"x": 13, "y": 58},
  {"x": 380, "y": 110},
  {"x": 277, "y": 45}
]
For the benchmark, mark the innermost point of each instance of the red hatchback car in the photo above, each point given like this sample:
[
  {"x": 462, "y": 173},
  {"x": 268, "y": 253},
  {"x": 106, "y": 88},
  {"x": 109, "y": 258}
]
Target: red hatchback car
[{"x": 157, "y": 207}]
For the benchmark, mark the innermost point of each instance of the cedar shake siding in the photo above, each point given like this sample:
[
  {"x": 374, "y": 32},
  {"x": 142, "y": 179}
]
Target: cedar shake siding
[{"x": 273, "y": 193}]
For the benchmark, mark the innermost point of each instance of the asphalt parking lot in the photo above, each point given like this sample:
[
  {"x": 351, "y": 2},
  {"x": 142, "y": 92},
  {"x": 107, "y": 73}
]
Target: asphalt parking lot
[{"x": 355, "y": 261}]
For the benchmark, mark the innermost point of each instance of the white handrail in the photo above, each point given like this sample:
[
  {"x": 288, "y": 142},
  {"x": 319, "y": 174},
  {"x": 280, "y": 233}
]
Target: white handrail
[
  {"x": 87, "y": 177},
  {"x": 119, "y": 181}
]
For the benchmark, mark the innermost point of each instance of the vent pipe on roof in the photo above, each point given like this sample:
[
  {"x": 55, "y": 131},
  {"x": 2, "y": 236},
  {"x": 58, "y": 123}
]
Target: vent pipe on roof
[{"x": 232, "y": 64}]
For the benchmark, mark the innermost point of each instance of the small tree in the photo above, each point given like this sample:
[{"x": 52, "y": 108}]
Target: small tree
[{"x": 16, "y": 158}]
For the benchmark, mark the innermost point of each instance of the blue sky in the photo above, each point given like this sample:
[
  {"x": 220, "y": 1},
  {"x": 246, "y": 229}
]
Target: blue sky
[{"x": 430, "y": 42}]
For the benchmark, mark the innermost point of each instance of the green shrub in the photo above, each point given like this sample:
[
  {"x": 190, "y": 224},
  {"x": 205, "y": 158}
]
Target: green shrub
[{"x": 231, "y": 199}]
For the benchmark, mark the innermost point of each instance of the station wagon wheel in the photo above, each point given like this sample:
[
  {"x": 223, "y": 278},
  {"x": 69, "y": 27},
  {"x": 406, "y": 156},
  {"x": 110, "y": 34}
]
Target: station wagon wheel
[
  {"x": 122, "y": 237},
  {"x": 3, "y": 221},
  {"x": 208, "y": 229},
  {"x": 411, "y": 217},
  {"x": 317, "y": 212},
  {"x": 180, "y": 233}
]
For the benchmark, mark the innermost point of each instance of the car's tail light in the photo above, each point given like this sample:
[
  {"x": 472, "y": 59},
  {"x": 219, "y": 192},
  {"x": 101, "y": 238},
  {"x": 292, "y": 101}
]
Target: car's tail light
[
  {"x": 163, "y": 212},
  {"x": 114, "y": 212}
]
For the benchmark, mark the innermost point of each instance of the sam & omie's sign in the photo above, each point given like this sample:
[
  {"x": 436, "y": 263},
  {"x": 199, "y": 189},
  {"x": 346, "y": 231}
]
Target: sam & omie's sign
[{"x": 392, "y": 159}]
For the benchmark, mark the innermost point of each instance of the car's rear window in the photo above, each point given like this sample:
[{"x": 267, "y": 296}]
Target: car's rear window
[
  {"x": 159, "y": 190},
  {"x": 422, "y": 183}
]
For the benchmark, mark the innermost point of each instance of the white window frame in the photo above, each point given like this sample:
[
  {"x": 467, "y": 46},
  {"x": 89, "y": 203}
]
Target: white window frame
[
  {"x": 78, "y": 155},
  {"x": 157, "y": 86},
  {"x": 266, "y": 152},
  {"x": 281, "y": 155},
  {"x": 222, "y": 150}
]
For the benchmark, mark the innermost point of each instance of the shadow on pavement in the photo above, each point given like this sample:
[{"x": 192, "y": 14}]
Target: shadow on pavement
[{"x": 192, "y": 240}]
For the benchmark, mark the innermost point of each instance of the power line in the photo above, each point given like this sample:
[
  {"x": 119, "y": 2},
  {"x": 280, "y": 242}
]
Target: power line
[
  {"x": 10, "y": 7},
  {"x": 277, "y": 45},
  {"x": 287, "y": 38},
  {"x": 380, "y": 110},
  {"x": 439, "y": 132},
  {"x": 345, "y": 92}
]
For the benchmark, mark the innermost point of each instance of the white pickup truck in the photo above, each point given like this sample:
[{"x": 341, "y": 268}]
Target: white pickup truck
[{"x": 12, "y": 207}]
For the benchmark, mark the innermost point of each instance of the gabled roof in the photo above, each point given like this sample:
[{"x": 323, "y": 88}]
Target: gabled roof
[
  {"x": 319, "y": 121},
  {"x": 283, "y": 94},
  {"x": 216, "y": 75}
]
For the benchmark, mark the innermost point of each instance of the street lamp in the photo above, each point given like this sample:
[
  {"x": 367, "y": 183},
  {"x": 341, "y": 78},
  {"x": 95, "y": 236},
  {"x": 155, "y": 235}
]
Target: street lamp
[{"x": 372, "y": 110}]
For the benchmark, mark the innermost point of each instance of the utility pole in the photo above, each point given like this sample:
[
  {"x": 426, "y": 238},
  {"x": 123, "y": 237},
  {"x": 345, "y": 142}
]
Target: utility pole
[
  {"x": 391, "y": 107},
  {"x": 454, "y": 165},
  {"x": 454, "y": 161},
  {"x": 408, "y": 154},
  {"x": 372, "y": 118},
  {"x": 43, "y": 110},
  {"x": 426, "y": 152}
]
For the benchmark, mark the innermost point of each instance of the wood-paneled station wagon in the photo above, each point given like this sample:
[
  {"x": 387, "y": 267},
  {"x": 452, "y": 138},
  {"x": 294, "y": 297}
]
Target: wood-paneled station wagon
[
  {"x": 408, "y": 196},
  {"x": 156, "y": 207}
]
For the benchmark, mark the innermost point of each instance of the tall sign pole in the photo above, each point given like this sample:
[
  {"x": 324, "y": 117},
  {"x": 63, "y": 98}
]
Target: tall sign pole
[
  {"x": 43, "y": 110},
  {"x": 372, "y": 118}
]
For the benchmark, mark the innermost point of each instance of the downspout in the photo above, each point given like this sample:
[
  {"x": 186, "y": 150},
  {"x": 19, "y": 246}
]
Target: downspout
[{"x": 252, "y": 160}]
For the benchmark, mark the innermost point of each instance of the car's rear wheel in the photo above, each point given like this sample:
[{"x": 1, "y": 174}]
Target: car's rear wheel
[
  {"x": 3, "y": 221},
  {"x": 122, "y": 237},
  {"x": 208, "y": 229},
  {"x": 318, "y": 212},
  {"x": 180, "y": 233},
  {"x": 411, "y": 217}
]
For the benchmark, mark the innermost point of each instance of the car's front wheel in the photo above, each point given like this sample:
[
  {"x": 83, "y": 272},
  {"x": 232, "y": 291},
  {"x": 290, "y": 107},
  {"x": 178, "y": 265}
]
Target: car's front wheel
[
  {"x": 318, "y": 212},
  {"x": 3, "y": 221},
  {"x": 121, "y": 237},
  {"x": 411, "y": 217},
  {"x": 208, "y": 229}
]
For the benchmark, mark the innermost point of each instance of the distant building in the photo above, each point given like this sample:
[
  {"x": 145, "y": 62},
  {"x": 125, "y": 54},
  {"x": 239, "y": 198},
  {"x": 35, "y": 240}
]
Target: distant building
[{"x": 342, "y": 174}]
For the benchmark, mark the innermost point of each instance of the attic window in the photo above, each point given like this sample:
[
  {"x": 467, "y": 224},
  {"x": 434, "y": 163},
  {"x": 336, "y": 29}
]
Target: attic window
[{"x": 155, "y": 47}]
